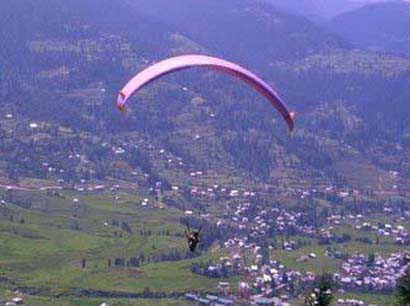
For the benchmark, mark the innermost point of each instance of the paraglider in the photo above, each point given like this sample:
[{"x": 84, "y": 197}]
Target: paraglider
[
  {"x": 173, "y": 64},
  {"x": 193, "y": 238}
]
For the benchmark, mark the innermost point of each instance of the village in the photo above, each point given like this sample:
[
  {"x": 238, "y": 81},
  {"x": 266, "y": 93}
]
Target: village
[{"x": 276, "y": 284}]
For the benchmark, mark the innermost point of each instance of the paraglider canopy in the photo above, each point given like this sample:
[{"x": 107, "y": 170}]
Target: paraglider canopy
[{"x": 187, "y": 61}]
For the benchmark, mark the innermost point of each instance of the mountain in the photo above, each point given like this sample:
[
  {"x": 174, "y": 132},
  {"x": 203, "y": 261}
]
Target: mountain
[
  {"x": 24, "y": 22},
  {"x": 242, "y": 32},
  {"x": 321, "y": 10},
  {"x": 383, "y": 27},
  {"x": 245, "y": 30},
  {"x": 49, "y": 48},
  {"x": 316, "y": 9},
  {"x": 67, "y": 62}
]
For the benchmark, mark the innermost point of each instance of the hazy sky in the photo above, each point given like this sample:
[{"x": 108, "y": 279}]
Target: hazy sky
[{"x": 372, "y": 1}]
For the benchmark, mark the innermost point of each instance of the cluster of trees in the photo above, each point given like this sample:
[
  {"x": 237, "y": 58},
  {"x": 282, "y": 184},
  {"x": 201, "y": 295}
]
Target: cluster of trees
[
  {"x": 321, "y": 294},
  {"x": 134, "y": 261},
  {"x": 403, "y": 290},
  {"x": 123, "y": 225},
  {"x": 209, "y": 270},
  {"x": 344, "y": 238},
  {"x": 252, "y": 152},
  {"x": 137, "y": 261}
]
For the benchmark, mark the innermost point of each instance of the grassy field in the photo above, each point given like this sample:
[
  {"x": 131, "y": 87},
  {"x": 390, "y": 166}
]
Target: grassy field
[
  {"x": 42, "y": 301},
  {"x": 320, "y": 264},
  {"x": 45, "y": 253}
]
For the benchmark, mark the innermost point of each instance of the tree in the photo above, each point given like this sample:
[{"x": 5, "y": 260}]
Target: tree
[
  {"x": 12, "y": 173},
  {"x": 321, "y": 296},
  {"x": 371, "y": 259},
  {"x": 403, "y": 290}
]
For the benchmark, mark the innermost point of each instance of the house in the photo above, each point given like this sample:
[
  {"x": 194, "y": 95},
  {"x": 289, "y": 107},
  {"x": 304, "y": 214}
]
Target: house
[
  {"x": 223, "y": 285},
  {"x": 263, "y": 301},
  {"x": 191, "y": 297},
  {"x": 204, "y": 301},
  {"x": 18, "y": 301},
  {"x": 225, "y": 301},
  {"x": 212, "y": 298}
]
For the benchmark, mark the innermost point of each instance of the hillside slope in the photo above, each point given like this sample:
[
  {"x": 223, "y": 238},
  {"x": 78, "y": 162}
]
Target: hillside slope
[
  {"x": 69, "y": 69},
  {"x": 379, "y": 27}
]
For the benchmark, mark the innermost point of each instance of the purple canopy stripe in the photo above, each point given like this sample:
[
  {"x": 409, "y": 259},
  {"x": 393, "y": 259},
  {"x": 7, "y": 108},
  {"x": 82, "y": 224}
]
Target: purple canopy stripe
[{"x": 187, "y": 61}]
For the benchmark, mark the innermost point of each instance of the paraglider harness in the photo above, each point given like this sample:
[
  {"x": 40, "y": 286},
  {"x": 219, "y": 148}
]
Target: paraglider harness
[{"x": 192, "y": 238}]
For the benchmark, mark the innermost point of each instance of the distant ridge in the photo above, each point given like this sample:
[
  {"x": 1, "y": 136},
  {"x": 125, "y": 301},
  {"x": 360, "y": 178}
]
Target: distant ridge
[{"x": 383, "y": 27}]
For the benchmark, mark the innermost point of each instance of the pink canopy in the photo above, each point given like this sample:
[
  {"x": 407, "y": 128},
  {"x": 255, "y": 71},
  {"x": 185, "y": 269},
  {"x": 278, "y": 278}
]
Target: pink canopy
[{"x": 187, "y": 61}]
